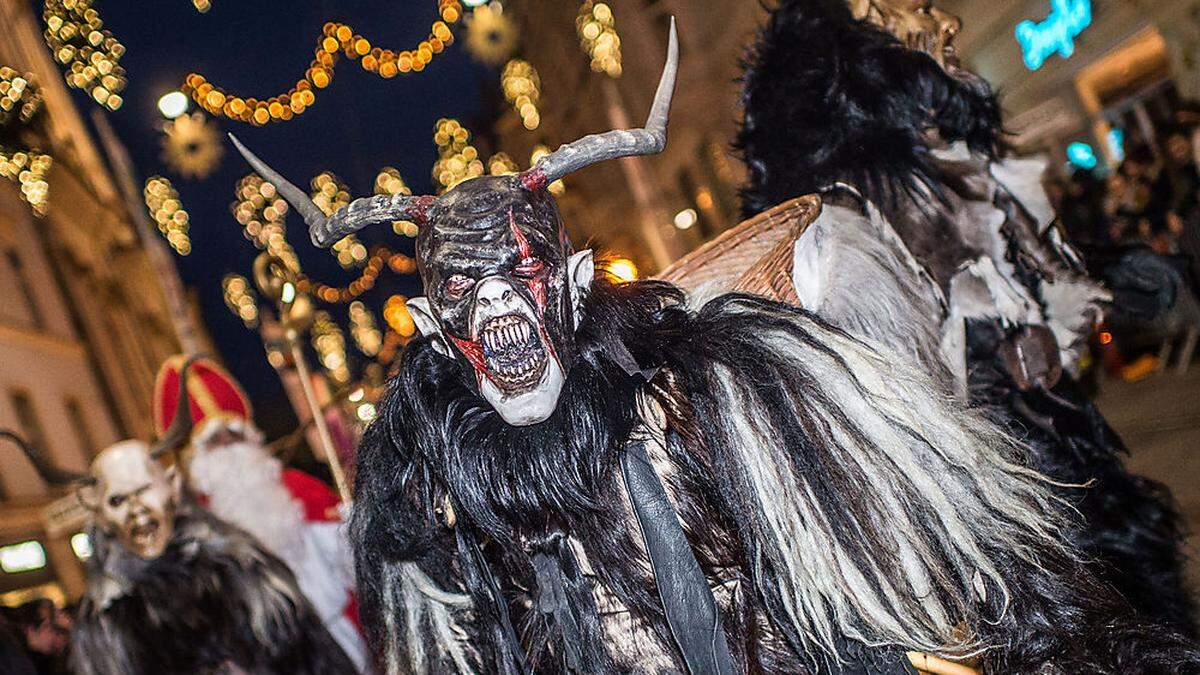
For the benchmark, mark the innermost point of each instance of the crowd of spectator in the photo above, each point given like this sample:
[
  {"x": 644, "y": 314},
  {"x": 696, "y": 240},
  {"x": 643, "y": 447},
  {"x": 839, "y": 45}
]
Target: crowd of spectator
[
  {"x": 1149, "y": 203},
  {"x": 34, "y": 639}
]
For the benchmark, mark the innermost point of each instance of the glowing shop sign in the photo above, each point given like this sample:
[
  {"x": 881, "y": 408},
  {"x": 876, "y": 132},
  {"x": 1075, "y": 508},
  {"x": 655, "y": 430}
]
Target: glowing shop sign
[
  {"x": 24, "y": 557},
  {"x": 1082, "y": 155},
  {"x": 1067, "y": 20}
]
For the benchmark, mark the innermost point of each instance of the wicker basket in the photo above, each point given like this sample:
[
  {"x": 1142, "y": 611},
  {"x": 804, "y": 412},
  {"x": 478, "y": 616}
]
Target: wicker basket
[{"x": 752, "y": 257}]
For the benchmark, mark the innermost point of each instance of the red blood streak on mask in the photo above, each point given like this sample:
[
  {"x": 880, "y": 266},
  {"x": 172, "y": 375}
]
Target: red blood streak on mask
[
  {"x": 474, "y": 353},
  {"x": 536, "y": 284}
]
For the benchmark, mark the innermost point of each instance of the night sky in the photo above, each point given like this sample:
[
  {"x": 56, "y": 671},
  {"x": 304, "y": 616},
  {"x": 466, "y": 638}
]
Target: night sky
[{"x": 359, "y": 124}]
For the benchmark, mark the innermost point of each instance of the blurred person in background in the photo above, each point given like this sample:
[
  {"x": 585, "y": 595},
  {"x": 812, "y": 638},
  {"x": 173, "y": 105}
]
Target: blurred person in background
[
  {"x": 46, "y": 630},
  {"x": 291, "y": 513}
]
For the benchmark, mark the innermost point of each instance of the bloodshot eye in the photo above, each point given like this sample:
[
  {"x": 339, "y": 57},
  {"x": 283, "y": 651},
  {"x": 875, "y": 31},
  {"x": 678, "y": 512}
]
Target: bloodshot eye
[
  {"x": 529, "y": 268},
  {"x": 457, "y": 286}
]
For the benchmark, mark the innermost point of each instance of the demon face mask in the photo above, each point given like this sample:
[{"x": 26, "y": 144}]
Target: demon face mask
[
  {"x": 133, "y": 498},
  {"x": 503, "y": 285}
]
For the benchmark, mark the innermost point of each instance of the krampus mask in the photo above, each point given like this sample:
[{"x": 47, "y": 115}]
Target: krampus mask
[{"x": 503, "y": 284}]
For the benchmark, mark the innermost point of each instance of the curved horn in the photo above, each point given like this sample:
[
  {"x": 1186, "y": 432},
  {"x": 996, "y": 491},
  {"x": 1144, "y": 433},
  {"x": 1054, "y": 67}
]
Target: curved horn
[
  {"x": 619, "y": 143},
  {"x": 177, "y": 435},
  {"x": 49, "y": 473},
  {"x": 326, "y": 230}
]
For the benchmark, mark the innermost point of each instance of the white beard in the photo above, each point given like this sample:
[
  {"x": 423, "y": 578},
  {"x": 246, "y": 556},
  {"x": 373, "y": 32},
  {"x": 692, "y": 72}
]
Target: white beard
[{"x": 245, "y": 487}]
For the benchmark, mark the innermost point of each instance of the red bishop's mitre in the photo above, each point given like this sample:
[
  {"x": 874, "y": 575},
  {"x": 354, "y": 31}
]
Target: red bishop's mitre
[{"x": 212, "y": 393}]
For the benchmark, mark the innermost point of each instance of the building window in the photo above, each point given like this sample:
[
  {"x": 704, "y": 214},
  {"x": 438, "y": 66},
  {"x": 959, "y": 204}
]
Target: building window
[
  {"x": 79, "y": 425},
  {"x": 26, "y": 287}
]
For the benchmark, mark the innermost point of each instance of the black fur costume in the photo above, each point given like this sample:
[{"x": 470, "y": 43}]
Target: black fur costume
[
  {"x": 829, "y": 99},
  {"x": 214, "y": 602},
  {"x": 444, "y": 484}
]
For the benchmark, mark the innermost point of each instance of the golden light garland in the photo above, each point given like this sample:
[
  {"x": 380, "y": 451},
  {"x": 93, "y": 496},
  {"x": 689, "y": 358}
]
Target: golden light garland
[
  {"x": 336, "y": 39},
  {"x": 556, "y": 188},
  {"x": 598, "y": 36},
  {"x": 260, "y": 211},
  {"x": 380, "y": 258},
  {"x": 240, "y": 299},
  {"x": 458, "y": 160},
  {"x": 28, "y": 168},
  {"x": 366, "y": 334},
  {"x": 523, "y": 90},
  {"x": 389, "y": 182},
  {"x": 20, "y": 98},
  {"x": 397, "y": 317},
  {"x": 330, "y": 345},
  {"x": 162, "y": 201},
  {"x": 78, "y": 40},
  {"x": 500, "y": 164},
  {"x": 329, "y": 193}
]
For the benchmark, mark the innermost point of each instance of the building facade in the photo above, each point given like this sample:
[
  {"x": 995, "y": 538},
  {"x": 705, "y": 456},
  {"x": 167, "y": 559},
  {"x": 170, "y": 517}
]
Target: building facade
[
  {"x": 84, "y": 324},
  {"x": 631, "y": 208}
]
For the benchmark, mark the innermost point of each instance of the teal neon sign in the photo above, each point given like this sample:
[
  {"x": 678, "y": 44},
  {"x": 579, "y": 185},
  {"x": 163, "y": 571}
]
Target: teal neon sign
[{"x": 1066, "y": 21}]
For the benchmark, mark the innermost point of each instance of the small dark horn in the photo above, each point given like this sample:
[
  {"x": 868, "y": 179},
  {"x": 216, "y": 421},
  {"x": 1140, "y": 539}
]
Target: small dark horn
[
  {"x": 177, "y": 435},
  {"x": 619, "y": 143},
  {"x": 48, "y": 472},
  {"x": 327, "y": 230}
]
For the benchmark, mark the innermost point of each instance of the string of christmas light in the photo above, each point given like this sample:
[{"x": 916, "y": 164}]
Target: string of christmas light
[
  {"x": 240, "y": 299},
  {"x": 458, "y": 160},
  {"x": 380, "y": 257},
  {"x": 202, "y": 6},
  {"x": 77, "y": 38},
  {"x": 28, "y": 168},
  {"x": 523, "y": 89},
  {"x": 330, "y": 345},
  {"x": 336, "y": 39},
  {"x": 162, "y": 201},
  {"x": 366, "y": 334},
  {"x": 20, "y": 99},
  {"x": 329, "y": 193},
  {"x": 500, "y": 164},
  {"x": 397, "y": 317},
  {"x": 389, "y": 182},
  {"x": 598, "y": 36},
  {"x": 260, "y": 211}
]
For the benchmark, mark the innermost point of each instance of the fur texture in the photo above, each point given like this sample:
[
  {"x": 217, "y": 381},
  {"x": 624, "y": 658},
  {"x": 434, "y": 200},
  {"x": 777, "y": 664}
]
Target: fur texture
[
  {"x": 820, "y": 88},
  {"x": 213, "y": 601},
  {"x": 842, "y": 510}
]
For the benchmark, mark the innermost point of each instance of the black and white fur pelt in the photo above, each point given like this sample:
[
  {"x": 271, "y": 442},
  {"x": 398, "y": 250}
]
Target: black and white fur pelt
[
  {"x": 829, "y": 99},
  {"x": 846, "y": 102},
  {"x": 214, "y": 602},
  {"x": 841, "y": 510}
]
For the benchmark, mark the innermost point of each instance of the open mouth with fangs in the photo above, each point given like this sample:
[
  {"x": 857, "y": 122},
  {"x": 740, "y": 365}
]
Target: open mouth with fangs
[
  {"x": 514, "y": 353},
  {"x": 144, "y": 532}
]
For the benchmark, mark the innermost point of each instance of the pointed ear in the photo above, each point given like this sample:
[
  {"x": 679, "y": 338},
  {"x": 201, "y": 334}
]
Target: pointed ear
[
  {"x": 88, "y": 494},
  {"x": 175, "y": 480},
  {"x": 422, "y": 314},
  {"x": 581, "y": 271}
]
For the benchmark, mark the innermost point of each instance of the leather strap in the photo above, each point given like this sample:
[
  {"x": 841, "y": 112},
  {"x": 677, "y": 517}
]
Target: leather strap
[{"x": 687, "y": 600}]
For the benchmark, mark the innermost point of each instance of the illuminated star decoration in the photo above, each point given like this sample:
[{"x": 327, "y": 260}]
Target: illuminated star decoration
[
  {"x": 491, "y": 36},
  {"x": 191, "y": 146}
]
